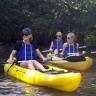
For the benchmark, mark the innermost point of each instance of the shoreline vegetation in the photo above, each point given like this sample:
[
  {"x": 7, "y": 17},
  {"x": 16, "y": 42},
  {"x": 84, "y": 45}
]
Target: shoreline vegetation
[{"x": 45, "y": 18}]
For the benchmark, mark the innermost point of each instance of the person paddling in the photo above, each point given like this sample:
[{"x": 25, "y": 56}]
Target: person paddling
[
  {"x": 56, "y": 44},
  {"x": 71, "y": 48},
  {"x": 26, "y": 51}
]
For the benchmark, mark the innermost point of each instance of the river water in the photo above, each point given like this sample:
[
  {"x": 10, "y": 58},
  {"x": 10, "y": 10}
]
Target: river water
[{"x": 9, "y": 86}]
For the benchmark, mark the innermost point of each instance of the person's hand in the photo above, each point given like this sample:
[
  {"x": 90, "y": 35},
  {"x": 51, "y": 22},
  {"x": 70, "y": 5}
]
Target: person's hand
[
  {"x": 11, "y": 61},
  {"x": 61, "y": 54},
  {"x": 51, "y": 50},
  {"x": 44, "y": 59},
  {"x": 49, "y": 56},
  {"x": 83, "y": 52}
]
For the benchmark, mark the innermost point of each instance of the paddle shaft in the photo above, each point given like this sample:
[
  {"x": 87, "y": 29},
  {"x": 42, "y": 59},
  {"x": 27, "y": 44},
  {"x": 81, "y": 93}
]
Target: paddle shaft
[
  {"x": 45, "y": 51},
  {"x": 3, "y": 63},
  {"x": 70, "y": 59},
  {"x": 94, "y": 52},
  {"x": 81, "y": 47}
]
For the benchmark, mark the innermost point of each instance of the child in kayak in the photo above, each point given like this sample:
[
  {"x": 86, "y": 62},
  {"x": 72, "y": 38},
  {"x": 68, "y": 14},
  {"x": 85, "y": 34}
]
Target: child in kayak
[
  {"x": 56, "y": 44},
  {"x": 26, "y": 51},
  {"x": 70, "y": 48}
]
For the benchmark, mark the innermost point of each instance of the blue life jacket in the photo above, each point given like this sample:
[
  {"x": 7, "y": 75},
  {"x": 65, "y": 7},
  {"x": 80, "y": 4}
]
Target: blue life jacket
[
  {"x": 26, "y": 52},
  {"x": 70, "y": 49},
  {"x": 57, "y": 44}
]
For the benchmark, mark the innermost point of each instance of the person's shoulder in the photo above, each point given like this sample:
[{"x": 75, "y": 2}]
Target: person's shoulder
[
  {"x": 17, "y": 45},
  {"x": 34, "y": 44},
  {"x": 65, "y": 44},
  {"x": 77, "y": 44}
]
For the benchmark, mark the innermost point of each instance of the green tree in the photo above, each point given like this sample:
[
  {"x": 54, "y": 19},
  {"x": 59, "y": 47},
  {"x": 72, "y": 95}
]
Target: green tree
[{"x": 46, "y": 17}]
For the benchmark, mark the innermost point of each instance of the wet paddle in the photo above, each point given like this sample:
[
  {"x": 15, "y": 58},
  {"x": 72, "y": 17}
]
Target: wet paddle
[
  {"x": 81, "y": 47},
  {"x": 75, "y": 58},
  {"x": 67, "y": 58},
  {"x": 45, "y": 51},
  {"x": 94, "y": 52},
  {"x": 3, "y": 63}
]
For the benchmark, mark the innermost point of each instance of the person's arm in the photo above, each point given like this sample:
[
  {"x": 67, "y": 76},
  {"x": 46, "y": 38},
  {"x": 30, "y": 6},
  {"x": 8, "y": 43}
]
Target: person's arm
[
  {"x": 15, "y": 50},
  {"x": 83, "y": 52},
  {"x": 51, "y": 46},
  {"x": 13, "y": 53},
  {"x": 63, "y": 49},
  {"x": 38, "y": 52},
  {"x": 40, "y": 55}
]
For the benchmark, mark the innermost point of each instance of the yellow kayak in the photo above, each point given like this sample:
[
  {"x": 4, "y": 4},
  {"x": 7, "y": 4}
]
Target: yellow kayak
[
  {"x": 82, "y": 65},
  {"x": 53, "y": 77}
]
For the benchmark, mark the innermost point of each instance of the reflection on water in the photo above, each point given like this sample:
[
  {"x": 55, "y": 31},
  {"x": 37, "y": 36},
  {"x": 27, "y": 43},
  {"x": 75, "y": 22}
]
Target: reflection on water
[
  {"x": 9, "y": 86},
  {"x": 13, "y": 87}
]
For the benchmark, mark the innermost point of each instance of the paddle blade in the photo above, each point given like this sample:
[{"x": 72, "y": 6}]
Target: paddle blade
[
  {"x": 75, "y": 58},
  {"x": 1, "y": 68}
]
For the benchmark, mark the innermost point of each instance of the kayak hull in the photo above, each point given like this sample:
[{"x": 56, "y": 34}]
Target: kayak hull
[
  {"x": 67, "y": 82},
  {"x": 82, "y": 66}
]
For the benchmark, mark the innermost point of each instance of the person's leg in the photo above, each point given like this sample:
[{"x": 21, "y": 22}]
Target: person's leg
[
  {"x": 37, "y": 65},
  {"x": 27, "y": 65},
  {"x": 24, "y": 64},
  {"x": 31, "y": 65}
]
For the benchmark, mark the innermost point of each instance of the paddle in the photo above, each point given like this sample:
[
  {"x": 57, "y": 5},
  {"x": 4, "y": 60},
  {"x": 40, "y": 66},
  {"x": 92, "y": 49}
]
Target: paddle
[
  {"x": 2, "y": 66},
  {"x": 89, "y": 46},
  {"x": 75, "y": 58},
  {"x": 52, "y": 71},
  {"x": 3, "y": 63},
  {"x": 69, "y": 58},
  {"x": 94, "y": 52},
  {"x": 45, "y": 51},
  {"x": 81, "y": 47},
  {"x": 9, "y": 63}
]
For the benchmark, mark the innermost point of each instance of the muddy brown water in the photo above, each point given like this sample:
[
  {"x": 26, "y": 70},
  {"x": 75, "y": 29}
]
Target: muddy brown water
[{"x": 9, "y": 86}]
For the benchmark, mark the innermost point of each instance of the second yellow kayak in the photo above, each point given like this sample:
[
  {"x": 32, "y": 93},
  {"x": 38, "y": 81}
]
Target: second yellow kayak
[{"x": 82, "y": 65}]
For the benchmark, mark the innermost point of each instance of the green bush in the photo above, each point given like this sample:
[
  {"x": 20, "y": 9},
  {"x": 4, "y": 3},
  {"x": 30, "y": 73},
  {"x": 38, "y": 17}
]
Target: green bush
[{"x": 90, "y": 38}]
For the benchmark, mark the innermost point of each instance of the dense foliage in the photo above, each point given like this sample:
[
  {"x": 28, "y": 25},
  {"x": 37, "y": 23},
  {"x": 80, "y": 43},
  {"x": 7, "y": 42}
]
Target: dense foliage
[
  {"x": 46, "y": 17},
  {"x": 90, "y": 38}
]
